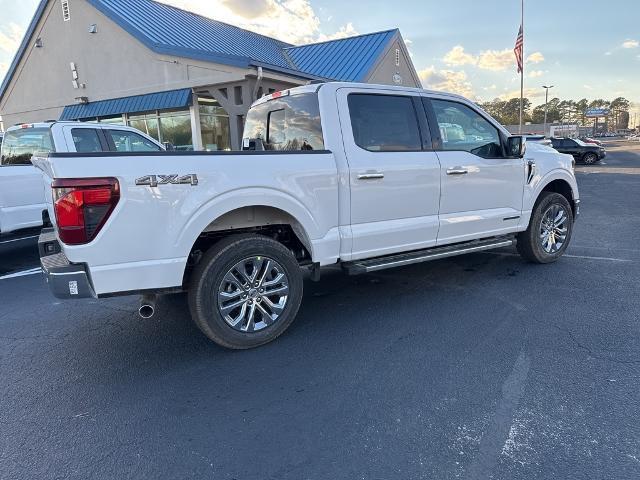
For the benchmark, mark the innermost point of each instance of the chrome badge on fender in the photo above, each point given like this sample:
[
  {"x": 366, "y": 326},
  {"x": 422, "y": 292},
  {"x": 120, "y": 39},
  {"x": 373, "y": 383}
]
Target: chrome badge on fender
[{"x": 155, "y": 180}]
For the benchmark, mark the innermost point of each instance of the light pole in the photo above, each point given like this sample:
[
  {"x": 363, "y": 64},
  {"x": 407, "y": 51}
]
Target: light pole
[{"x": 546, "y": 101}]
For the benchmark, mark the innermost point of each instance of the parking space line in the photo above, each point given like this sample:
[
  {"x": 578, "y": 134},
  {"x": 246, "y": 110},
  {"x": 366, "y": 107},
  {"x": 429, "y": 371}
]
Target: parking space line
[
  {"x": 18, "y": 239},
  {"x": 585, "y": 257},
  {"x": 24, "y": 273}
]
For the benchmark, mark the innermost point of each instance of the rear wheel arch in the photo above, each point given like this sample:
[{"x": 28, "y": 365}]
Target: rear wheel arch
[{"x": 268, "y": 221}]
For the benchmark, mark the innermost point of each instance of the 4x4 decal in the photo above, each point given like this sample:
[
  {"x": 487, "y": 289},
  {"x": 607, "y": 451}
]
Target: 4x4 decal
[{"x": 174, "y": 179}]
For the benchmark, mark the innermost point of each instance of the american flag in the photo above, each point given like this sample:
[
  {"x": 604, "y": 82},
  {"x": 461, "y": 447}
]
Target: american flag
[{"x": 518, "y": 49}]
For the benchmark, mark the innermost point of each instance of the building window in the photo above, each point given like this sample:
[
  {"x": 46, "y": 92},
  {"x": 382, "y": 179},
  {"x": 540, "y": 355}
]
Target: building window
[
  {"x": 117, "y": 120},
  {"x": 66, "y": 13},
  {"x": 175, "y": 128},
  {"x": 214, "y": 125},
  {"x": 145, "y": 123},
  {"x": 397, "y": 57}
]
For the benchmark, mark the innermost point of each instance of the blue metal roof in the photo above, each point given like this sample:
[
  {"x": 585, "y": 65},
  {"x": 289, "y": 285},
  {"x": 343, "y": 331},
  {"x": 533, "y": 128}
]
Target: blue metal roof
[
  {"x": 346, "y": 59},
  {"x": 139, "y": 103},
  {"x": 170, "y": 30}
]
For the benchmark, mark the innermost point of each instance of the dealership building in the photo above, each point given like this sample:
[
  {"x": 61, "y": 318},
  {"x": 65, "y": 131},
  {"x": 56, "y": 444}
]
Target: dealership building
[{"x": 180, "y": 77}]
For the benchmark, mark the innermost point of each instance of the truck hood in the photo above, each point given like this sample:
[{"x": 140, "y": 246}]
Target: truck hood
[{"x": 548, "y": 158}]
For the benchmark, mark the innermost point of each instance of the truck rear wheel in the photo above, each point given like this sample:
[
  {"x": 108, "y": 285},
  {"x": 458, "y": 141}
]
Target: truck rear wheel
[
  {"x": 549, "y": 231},
  {"x": 245, "y": 291}
]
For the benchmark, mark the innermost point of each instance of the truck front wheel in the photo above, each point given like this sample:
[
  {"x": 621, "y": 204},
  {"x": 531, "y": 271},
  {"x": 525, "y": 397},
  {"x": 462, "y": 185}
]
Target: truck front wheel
[
  {"x": 245, "y": 291},
  {"x": 549, "y": 231}
]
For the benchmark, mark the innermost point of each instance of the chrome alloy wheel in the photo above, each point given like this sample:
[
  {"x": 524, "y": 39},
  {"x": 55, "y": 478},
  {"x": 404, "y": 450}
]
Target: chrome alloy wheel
[
  {"x": 253, "y": 294},
  {"x": 553, "y": 229}
]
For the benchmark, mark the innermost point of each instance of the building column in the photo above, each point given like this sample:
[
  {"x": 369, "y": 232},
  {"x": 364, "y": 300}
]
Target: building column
[{"x": 196, "y": 133}]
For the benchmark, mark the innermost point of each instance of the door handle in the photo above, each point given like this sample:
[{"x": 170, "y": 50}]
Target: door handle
[
  {"x": 370, "y": 176},
  {"x": 457, "y": 171}
]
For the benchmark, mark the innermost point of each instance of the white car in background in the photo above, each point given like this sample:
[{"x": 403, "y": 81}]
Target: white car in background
[{"x": 23, "y": 187}]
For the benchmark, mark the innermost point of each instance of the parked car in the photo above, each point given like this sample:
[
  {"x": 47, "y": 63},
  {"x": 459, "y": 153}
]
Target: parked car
[
  {"x": 541, "y": 139},
  {"x": 582, "y": 152},
  {"x": 22, "y": 186},
  {"x": 591, "y": 140},
  {"x": 352, "y": 174}
]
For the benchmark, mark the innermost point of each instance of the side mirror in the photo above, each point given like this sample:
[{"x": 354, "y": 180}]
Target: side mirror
[
  {"x": 516, "y": 146},
  {"x": 168, "y": 146}
]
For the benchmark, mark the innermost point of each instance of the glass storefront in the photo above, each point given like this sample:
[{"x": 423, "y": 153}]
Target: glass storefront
[
  {"x": 214, "y": 125},
  {"x": 174, "y": 126}
]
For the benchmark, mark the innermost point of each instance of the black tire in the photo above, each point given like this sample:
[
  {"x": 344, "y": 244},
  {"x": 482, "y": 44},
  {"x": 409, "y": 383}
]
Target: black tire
[
  {"x": 530, "y": 244},
  {"x": 589, "y": 158},
  {"x": 209, "y": 274}
]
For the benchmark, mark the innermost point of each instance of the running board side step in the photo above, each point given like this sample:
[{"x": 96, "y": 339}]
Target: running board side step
[{"x": 400, "y": 259}]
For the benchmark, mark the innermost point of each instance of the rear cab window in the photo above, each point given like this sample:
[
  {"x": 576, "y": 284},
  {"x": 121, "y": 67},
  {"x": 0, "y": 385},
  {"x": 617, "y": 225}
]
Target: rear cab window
[
  {"x": 21, "y": 143},
  {"x": 86, "y": 140},
  {"x": 287, "y": 123}
]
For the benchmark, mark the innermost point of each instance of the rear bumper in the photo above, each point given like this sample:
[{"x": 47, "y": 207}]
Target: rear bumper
[{"x": 65, "y": 279}]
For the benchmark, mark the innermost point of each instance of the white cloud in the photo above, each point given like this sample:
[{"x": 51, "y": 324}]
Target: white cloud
[
  {"x": 630, "y": 44},
  {"x": 446, "y": 80},
  {"x": 344, "y": 32},
  {"x": 528, "y": 93},
  {"x": 535, "y": 57},
  {"x": 457, "y": 56},
  {"x": 588, "y": 87},
  {"x": 408, "y": 44},
  {"x": 536, "y": 73},
  {"x": 293, "y": 21},
  {"x": 10, "y": 37},
  {"x": 496, "y": 59}
]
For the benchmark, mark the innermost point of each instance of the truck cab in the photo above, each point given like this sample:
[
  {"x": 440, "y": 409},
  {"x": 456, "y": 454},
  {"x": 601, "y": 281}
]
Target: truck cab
[{"x": 23, "y": 189}]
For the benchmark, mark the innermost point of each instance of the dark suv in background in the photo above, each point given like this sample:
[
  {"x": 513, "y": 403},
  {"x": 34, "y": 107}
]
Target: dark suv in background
[{"x": 582, "y": 152}]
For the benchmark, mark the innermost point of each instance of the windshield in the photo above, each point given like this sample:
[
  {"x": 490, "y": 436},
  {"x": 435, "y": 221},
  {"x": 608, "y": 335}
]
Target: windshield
[
  {"x": 19, "y": 145},
  {"x": 286, "y": 123},
  {"x": 581, "y": 143}
]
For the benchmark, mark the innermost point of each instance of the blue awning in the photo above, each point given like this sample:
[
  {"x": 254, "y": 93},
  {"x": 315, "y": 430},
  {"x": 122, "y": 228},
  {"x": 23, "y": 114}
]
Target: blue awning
[{"x": 139, "y": 103}]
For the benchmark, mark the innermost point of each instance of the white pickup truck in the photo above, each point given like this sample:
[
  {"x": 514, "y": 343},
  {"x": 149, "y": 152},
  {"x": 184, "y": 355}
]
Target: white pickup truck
[
  {"x": 366, "y": 176},
  {"x": 23, "y": 202}
]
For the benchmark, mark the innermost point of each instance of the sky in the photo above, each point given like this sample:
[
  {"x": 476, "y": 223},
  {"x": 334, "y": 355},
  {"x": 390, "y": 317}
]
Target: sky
[{"x": 585, "y": 48}]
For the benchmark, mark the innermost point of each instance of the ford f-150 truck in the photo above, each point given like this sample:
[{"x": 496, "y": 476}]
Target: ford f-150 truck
[
  {"x": 22, "y": 187},
  {"x": 366, "y": 176}
]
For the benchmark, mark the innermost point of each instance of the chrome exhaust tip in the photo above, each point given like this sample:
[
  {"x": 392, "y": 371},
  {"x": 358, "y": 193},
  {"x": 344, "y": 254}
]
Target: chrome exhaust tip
[{"x": 147, "y": 306}]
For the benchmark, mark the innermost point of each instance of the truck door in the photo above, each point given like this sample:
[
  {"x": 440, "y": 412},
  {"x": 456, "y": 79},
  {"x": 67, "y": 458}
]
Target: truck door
[
  {"x": 394, "y": 175},
  {"x": 482, "y": 190}
]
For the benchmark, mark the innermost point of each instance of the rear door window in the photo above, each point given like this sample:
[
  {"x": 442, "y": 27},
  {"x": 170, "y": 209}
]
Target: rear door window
[
  {"x": 86, "y": 140},
  {"x": 384, "y": 123},
  {"x": 20, "y": 144},
  {"x": 125, "y": 141}
]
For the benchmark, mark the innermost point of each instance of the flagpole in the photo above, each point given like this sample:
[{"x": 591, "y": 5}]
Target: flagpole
[{"x": 522, "y": 69}]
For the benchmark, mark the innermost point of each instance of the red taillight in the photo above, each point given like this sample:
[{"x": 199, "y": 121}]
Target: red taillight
[{"x": 82, "y": 206}]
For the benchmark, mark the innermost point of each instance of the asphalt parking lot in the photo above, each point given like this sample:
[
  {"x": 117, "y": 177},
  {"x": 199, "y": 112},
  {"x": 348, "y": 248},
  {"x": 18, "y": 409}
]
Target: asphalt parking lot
[{"x": 474, "y": 367}]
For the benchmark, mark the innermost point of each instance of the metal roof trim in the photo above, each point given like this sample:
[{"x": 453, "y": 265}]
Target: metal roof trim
[{"x": 133, "y": 104}]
